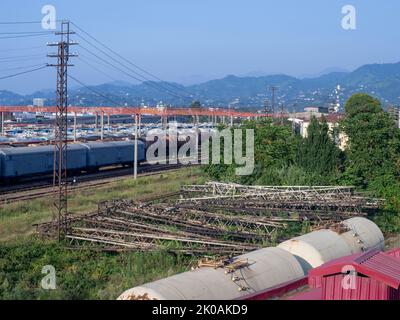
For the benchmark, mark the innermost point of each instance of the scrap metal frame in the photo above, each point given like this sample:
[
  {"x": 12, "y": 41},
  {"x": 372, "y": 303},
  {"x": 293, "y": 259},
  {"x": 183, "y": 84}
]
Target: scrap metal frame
[
  {"x": 323, "y": 199},
  {"x": 231, "y": 221},
  {"x": 129, "y": 225}
]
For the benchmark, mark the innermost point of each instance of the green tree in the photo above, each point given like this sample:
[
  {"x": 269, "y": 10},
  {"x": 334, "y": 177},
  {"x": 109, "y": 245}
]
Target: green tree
[
  {"x": 196, "y": 104},
  {"x": 274, "y": 150},
  {"x": 362, "y": 103},
  {"x": 373, "y": 156},
  {"x": 318, "y": 154},
  {"x": 373, "y": 142}
]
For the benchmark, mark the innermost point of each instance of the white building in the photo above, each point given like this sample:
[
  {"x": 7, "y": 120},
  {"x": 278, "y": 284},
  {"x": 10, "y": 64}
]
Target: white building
[{"x": 39, "y": 102}]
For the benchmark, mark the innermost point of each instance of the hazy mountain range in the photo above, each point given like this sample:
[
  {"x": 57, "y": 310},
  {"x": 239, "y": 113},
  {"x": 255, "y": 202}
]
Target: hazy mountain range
[{"x": 380, "y": 80}]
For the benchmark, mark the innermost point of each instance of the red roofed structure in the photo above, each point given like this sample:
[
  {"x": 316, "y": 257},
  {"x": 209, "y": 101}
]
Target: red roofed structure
[
  {"x": 395, "y": 253},
  {"x": 374, "y": 275}
]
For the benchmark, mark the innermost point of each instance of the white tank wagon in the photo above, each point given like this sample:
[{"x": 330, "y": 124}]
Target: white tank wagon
[
  {"x": 316, "y": 248},
  {"x": 267, "y": 267}
]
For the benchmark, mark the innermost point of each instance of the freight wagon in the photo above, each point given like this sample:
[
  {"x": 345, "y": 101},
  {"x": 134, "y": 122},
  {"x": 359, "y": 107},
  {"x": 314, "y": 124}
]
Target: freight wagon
[{"x": 22, "y": 162}]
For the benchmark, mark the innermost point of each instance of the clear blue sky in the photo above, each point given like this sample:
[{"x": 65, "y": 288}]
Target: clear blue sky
[{"x": 186, "y": 41}]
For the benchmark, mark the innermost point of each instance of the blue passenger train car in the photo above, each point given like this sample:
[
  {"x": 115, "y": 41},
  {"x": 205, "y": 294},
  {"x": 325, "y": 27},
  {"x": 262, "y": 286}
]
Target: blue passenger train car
[
  {"x": 102, "y": 154},
  {"x": 30, "y": 161},
  {"x": 17, "y": 162},
  {"x": 76, "y": 157}
]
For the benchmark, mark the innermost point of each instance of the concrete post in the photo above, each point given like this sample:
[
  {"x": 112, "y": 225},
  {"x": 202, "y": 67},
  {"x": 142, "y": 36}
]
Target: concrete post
[
  {"x": 2, "y": 123},
  {"x": 96, "y": 121},
  {"x": 398, "y": 118},
  {"x": 74, "y": 126},
  {"x": 102, "y": 126},
  {"x": 140, "y": 125},
  {"x": 231, "y": 120},
  {"x": 196, "y": 128},
  {"x": 108, "y": 122},
  {"x": 136, "y": 149}
]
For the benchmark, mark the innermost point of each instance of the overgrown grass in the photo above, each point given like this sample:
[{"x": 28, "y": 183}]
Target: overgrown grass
[
  {"x": 83, "y": 274},
  {"x": 87, "y": 274},
  {"x": 16, "y": 220}
]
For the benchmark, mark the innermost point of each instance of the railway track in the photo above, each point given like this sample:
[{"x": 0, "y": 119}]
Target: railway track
[
  {"x": 85, "y": 182},
  {"x": 47, "y": 180},
  {"x": 37, "y": 182}
]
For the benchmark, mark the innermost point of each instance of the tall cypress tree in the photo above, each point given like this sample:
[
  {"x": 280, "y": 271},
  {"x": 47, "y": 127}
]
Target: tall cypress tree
[{"x": 318, "y": 153}]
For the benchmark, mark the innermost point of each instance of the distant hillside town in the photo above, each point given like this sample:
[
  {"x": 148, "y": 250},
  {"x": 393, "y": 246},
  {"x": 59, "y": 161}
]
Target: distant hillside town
[{"x": 291, "y": 94}]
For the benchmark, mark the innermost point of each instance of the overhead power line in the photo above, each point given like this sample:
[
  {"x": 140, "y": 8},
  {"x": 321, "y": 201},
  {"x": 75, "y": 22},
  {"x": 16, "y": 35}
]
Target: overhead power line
[
  {"x": 22, "y": 67},
  {"x": 24, "y": 72},
  {"x": 92, "y": 90},
  {"x": 138, "y": 76},
  {"x": 26, "y": 35},
  {"x": 150, "y": 84},
  {"x": 23, "y": 22},
  {"x": 26, "y": 32},
  {"x": 131, "y": 63},
  {"x": 19, "y": 22},
  {"x": 109, "y": 63},
  {"x": 21, "y": 59},
  {"x": 95, "y": 68},
  {"x": 23, "y": 56},
  {"x": 22, "y": 49}
]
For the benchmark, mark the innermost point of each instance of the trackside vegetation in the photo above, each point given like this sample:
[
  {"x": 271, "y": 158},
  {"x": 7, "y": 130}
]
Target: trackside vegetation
[
  {"x": 82, "y": 274},
  {"x": 370, "y": 162}
]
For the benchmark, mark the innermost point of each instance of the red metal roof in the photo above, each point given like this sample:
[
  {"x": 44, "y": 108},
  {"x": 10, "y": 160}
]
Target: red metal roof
[
  {"x": 374, "y": 264},
  {"x": 315, "y": 294},
  {"x": 151, "y": 111},
  {"x": 277, "y": 291},
  {"x": 141, "y": 110},
  {"x": 394, "y": 253}
]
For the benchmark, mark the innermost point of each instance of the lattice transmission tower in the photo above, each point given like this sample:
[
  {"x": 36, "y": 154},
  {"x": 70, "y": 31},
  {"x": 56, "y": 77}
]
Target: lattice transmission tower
[{"x": 61, "y": 126}]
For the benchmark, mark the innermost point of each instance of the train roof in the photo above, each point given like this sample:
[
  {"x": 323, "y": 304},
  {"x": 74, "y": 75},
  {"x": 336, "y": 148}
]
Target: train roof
[
  {"x": 94, "y": 145},
  {"x": 39, "y": 149}
]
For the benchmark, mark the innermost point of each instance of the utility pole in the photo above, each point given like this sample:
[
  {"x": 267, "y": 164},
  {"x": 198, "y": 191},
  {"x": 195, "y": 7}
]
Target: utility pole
[
  {"x": 274, "y": 89},
  {"x": 294, "y": 117},
  {"x": 267, "y": 108},
  {"x": 61, "y": 126},
  {"x": 273, "y": 102}
]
